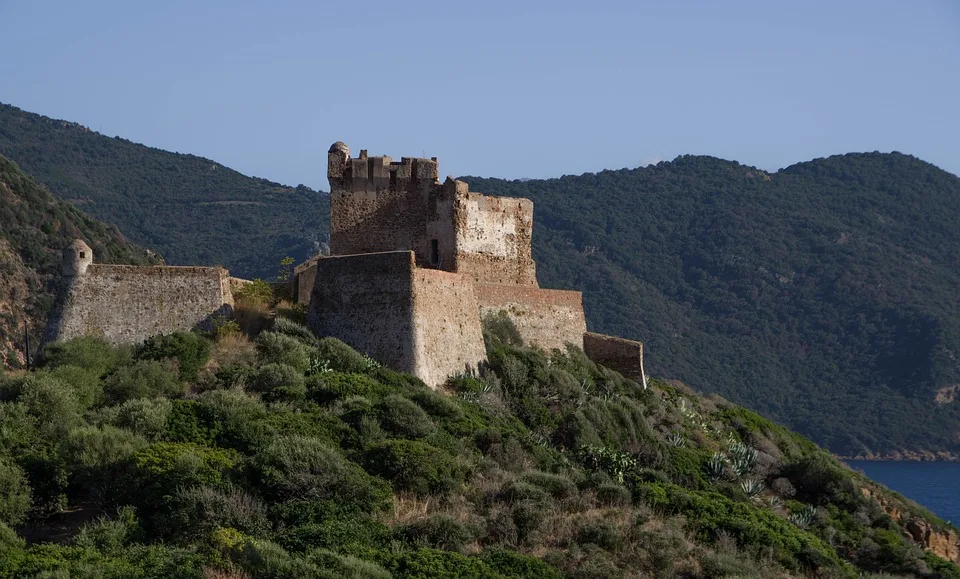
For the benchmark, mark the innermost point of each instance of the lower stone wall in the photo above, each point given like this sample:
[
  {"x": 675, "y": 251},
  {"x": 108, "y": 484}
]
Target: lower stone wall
[
  {"x": 303, "y": 282},
  {"x": 366, "y": 301},
  {"x": 447, "y": 336},
  {"x": 128, "y": 304},
  {"x": 624, "y": 356},
  {"x": 545, "y": 318}
]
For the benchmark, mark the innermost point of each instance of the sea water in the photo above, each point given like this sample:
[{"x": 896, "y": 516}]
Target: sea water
[{"x": 935, "y": 485}]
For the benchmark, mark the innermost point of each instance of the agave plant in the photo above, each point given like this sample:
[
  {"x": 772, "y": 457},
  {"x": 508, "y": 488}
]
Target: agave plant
[
  {"x": 744, "y": 458},
  {"x": 716, "y": 466},
  {"x": 751, "y": 487},
  {"x": 676, "y": 439},
  {"x": 803, "y": 518},
  {"x": 775, "y": 502}
]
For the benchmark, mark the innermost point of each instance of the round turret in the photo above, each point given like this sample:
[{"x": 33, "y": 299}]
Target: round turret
[
  {"x": 337, "y": 158},
  {"x": 77, "y": 257}
]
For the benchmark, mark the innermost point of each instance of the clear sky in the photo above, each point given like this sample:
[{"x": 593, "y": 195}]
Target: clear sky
[{"x": 504, "y": 89}]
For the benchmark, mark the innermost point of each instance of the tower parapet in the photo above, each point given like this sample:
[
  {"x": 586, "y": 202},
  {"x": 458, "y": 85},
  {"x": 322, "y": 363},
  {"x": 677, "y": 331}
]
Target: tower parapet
[{"x": 366, "y": 173}]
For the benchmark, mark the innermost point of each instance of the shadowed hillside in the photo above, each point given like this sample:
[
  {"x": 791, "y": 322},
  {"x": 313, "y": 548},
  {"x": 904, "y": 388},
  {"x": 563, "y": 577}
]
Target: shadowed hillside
[
  {"x": 35, "y": 226},
  {"x": 191, "y": 210},
  {"x": 822, "y": 295}
]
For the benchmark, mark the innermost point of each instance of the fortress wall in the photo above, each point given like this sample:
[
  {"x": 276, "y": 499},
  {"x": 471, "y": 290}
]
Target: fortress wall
[
  {"x": 447, "y": 336},
  {"x": 365, "y": 300},
  {"x": 128, "y": 304},
  {"x": 545, "y": 318},
  {"x": 493, "y": 239},
  {"x": 304, "y": 280},
  {"x": 624, "y": 356}
]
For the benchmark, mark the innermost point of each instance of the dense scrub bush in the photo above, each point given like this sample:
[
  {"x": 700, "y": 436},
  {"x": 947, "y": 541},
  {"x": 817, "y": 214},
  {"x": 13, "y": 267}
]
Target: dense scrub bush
[
  {"x": 190, "y": 350},
  {"x": 414, "y": 466},
  {"x": 15, "y": 494},
  {"x": 161, "y": 468},
  {"x": 306, "y": 468},
  {"x": 148, "y": 417},
  {"x": 439, "y": 531},
  {"x": 514, "y": 564},
  {"x": 342, "y": 358},
  {"x": 498, "y": 328},
  {"x": 425, "y": 563},
  {"x": 820, "y": 479},
  {"x": 97, "y": 456},
  {"x": 346, "y": 566},
  {"x": 331, "y": 386},
  {"x": 557, "y": 486},
  {"x": 613, "y": 495},
  {"x": 403, "y": 418},
  {"x": 233, "y": 417},
  {"x": 85, "y": 384},
  {"x": 277, "y": 348},
  {"x": 290, "y": 328},
  {"x": 336, "y": 531},
  {"x": 90, "y": 353},
  {"x": 279, "y": 382},
  {"x": 142, "y": 379},
  {"x": 197, "y": 511}
]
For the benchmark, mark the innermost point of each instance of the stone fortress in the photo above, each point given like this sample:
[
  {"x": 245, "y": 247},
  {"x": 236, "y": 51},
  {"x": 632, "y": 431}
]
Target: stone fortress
[{"x": 415, "y": 265}]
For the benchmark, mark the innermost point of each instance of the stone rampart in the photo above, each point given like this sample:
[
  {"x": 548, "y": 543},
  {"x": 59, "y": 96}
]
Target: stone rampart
[
  {"x": 493, "y": 239},
  {"x": 545, "y": 318},
  {"x": 624, "y": 356},
  {"x": 128, "y": 304}
]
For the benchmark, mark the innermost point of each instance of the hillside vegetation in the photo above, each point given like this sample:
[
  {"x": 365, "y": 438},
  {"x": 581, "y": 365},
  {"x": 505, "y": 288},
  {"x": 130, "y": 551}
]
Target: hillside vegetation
[
  {"x": 822, "y": 296},
  {"x": 295, "y": 456},
  {"x": 191, "y": 210},
  {"x": 35, "y": 226}
]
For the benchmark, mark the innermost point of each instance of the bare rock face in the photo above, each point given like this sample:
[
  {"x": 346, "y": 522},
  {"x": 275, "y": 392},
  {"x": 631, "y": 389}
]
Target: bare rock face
[{"x": 943, "y": 543}]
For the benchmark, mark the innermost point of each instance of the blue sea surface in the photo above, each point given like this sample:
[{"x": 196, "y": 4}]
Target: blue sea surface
[{"x": 935, "y": 485}]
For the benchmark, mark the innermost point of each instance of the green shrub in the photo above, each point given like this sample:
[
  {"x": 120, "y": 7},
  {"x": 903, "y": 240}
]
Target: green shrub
[
  {"x": 337, "y": 531},
  {"x": 498, "y": 328},
  {"x": 513, "y": 564},
  {"x": 90, "y": 353},
  {"x": 346, "y": 566},
  {"x": 305, "y": 468},
  {"x": 145, "y": 416},
  {"x": 600, "y": 533},
  {"x": 197, "y": 511},
  {"x": 97, "y": 456},
  {"x": 438, "y": 531},
  {"x": 276, "y": 348},
  {"x": 15, "y": 494},
  {"x": 86, "y": 385},
  {"x": 429, "y": 563},
  {"x": 142, "y": 379},
  {"x": 414, "y": 466},
  {"x": 9, "y": 542},
  {"x": 235, "y": 418},
  {"x": 190, "y": 350},
  {"x": 160, "y": 469},
  {"x": 341, "y": 357},
  {"x": 279, "y": 382},
  {"x": 191, "y": 421},
  {"x": 257, "y": 291},
  {"x": 295, "y": 330},
  {"x": 330, "y": 386},
  {"x": 108, "y": 535},
  {"x": 404, "y": 418},
  {"x": 517, "y": 490},
  {"x": 267, "y": 560},
  {"x": 50, "y": 402},
  {"x": 613, "y": 495},
  {"x": 557, "y": 486},
  {"x": 820, "y": 479}
]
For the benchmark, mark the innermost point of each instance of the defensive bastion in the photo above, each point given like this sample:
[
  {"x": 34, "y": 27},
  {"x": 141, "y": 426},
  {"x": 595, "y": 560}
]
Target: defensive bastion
[{"x": 415, "y": 264}]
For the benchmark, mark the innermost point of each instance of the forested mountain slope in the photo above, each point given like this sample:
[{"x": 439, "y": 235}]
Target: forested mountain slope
[
  {"x": 191, "y": 210},
  {"x": 35, "y": 226},
  {"x": 822, "y": 295}
]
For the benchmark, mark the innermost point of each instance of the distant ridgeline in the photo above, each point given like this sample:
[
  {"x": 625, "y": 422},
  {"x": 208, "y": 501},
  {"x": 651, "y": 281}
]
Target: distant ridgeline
[{"x": 191, "y": 210}]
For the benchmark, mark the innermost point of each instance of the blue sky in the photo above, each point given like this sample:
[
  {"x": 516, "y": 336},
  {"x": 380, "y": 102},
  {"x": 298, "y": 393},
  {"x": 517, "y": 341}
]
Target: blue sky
[{"x": 505, "y": 89}]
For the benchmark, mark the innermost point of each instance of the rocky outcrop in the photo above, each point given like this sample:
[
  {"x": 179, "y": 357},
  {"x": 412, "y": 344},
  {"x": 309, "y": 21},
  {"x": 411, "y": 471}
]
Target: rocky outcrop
[{"x": 944, "y": 543}]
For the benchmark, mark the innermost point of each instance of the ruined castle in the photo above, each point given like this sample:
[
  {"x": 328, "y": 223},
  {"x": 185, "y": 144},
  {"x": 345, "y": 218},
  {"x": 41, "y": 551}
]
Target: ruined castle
[{"x": 415, "y": 264}]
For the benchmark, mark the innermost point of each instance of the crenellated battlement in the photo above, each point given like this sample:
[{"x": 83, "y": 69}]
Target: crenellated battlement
[{"x": 366, "y": 173}]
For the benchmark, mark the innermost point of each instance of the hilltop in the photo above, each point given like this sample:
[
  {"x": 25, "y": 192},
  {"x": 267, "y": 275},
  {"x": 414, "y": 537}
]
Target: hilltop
[
  {"x": 295, "y": 456},
  {"x": 35, "y": 226},
  {"x": 191, "y": 210},
  {"x": 820, "y": 295}
]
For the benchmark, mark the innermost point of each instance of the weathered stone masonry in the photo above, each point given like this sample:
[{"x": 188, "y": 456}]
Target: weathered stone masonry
[{"x": 128, "y": 304}]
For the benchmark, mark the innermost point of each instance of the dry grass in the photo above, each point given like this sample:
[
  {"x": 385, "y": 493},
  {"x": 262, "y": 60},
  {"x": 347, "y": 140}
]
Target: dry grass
[
  {"x": 232, "y": 349},
  {"x": 253, "y": 317},
  {"x": 408, "y": 508}
]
